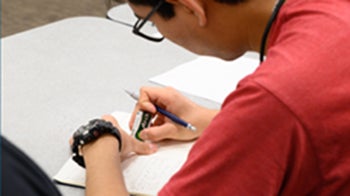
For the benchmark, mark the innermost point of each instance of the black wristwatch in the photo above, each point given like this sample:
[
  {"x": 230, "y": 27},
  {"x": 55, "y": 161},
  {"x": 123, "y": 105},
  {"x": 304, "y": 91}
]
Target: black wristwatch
[{"x": 90, "y": 132}]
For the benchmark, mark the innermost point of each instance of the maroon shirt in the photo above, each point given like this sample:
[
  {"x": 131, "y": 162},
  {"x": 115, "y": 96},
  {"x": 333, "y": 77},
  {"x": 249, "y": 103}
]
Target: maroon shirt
[{"x": 285, "y": 130}]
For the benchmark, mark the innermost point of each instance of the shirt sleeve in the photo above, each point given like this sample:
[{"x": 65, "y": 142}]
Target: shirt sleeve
[
  {"x": 21, "y": 176},
  {"x": 254, "y": 146}
]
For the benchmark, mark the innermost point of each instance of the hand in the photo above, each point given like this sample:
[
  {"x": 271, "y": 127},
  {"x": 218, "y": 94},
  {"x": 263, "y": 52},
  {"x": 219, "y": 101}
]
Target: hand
[
  {"x": 103, "y": 161},
  {"x": 172, "y": 101},
  {"x": 110, "y": 143},
  {"x": 129, "y": 143}
]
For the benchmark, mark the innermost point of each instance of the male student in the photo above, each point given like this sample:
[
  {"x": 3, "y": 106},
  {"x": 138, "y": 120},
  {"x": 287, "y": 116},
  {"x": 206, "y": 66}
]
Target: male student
[{"x": 285, "y": 130}]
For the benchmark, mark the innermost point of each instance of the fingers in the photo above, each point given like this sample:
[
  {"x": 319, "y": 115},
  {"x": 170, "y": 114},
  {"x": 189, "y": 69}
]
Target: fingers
[
  {"x": 158, "y": 120},
  {"x": 161, "y": 96},
  {"x": 71, "y": 141},
  {"x": 112, "y": 120},
  {"x": 172, "y": 101},
  {"x": 158, "y": 133},
  {"x": 129, "y": 143},
  {"x": 148, "y": 96},
  {"x": 143, "y": 148}
]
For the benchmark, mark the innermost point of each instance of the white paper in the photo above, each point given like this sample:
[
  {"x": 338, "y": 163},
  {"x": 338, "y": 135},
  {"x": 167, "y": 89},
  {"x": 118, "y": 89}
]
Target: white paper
[{"x": 208, "y": 77}]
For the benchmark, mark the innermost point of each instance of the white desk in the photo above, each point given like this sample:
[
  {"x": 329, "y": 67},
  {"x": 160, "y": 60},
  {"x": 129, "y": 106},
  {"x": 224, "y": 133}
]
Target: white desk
[{"x": 58, "y": 76}]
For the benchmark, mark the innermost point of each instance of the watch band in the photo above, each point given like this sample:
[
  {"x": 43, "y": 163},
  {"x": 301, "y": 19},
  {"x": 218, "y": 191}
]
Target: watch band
[{"x": 91, "y": 132}]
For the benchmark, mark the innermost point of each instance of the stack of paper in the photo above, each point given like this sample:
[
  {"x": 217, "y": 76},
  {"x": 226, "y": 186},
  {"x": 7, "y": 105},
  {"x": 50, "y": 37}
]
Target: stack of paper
[{"x": 208, "y": 77}]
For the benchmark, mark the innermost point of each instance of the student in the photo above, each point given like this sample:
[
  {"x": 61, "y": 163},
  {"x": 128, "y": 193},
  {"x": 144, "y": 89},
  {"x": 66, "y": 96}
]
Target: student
[
  {"x": 20, "y": 175},
  {"x": 285, "y": 130}
]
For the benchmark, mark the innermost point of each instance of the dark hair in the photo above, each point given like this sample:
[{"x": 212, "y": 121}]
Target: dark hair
[{"x": 167, "y": 9}]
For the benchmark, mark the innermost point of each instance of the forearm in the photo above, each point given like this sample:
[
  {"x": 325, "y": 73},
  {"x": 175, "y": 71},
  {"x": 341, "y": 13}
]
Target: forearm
[
  {"x": 206, "y": 116},
  {"x": 103, "y": 168}
]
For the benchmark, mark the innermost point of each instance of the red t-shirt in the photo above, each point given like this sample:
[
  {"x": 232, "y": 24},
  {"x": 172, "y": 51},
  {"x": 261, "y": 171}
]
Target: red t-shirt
[{"x": 285, "y": 130}]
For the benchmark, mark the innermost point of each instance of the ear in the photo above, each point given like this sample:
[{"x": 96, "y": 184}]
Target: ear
[{"x": 194, "y": 6}]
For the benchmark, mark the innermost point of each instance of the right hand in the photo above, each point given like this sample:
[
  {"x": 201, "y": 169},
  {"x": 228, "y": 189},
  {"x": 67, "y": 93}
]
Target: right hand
[{"x": 172, "y": 101}]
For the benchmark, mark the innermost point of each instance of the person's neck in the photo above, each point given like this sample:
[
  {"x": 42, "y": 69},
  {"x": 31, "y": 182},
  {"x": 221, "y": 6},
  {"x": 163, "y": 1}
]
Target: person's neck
[
  {"x": 253, "y": 16},
  {"x": 259, "y": 19}
]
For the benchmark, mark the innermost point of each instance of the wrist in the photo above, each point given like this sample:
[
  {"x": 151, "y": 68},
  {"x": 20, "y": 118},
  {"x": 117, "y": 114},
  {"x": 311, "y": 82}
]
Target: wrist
[
  {"x": 103, "y": 151},
  {"x": 91, "y": 133},
  {"x": 106, "y": 144}
]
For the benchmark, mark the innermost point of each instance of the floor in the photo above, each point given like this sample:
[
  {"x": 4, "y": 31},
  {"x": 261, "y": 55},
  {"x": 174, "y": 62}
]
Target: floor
[{"x": 22, "y": 15}]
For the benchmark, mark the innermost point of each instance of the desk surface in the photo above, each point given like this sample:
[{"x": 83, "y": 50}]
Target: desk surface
[{"x": 58, "y": 76}]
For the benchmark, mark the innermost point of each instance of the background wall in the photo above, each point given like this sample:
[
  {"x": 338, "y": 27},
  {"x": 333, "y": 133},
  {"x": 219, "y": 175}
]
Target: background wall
[{"x": 21, "y": 15}]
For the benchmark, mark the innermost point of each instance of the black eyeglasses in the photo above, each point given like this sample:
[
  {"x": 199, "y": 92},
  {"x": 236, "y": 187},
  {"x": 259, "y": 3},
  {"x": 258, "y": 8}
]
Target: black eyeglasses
[{"x": 152, "y": 36}]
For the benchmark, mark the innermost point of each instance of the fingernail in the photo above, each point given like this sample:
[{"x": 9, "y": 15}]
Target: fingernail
[
  {"x": 149, "y": 106},
  {"x": 143, "y": 135},
  {"x": 153, "y": 147}
]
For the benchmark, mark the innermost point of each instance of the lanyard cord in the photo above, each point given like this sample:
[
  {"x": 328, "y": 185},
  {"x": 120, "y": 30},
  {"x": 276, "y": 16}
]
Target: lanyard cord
[{"x": 268, "y": 28}]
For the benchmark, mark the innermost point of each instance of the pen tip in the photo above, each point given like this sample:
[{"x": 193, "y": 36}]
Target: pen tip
[
  {"x": 127, "y": 91},
  {"x": 192, "y": 128},
  {"x": 131, "y": 94}
]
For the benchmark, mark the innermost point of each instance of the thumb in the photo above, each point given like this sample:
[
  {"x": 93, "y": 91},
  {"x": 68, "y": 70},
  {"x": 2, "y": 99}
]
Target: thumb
[{"x": 144, "y": 148}]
